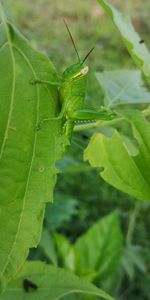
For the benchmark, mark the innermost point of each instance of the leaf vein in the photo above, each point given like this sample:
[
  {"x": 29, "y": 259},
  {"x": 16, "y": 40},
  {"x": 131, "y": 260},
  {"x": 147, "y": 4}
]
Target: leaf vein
[{"x": 32, "y": 159}]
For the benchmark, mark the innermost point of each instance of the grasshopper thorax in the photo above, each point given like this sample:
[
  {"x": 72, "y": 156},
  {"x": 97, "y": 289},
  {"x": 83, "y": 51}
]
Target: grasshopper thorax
[
  {"x": 75, "y": 71},
  {"x": 73, "y": 88}
]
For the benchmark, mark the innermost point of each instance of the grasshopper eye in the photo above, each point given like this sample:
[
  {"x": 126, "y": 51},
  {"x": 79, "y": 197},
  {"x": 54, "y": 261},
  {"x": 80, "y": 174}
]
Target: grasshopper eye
[
  {"x": 82, "y": 72},
  {"x": 85, "y": 70}
]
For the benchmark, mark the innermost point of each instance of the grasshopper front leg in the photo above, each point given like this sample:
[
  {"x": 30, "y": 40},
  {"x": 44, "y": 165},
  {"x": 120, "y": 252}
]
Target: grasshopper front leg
[
  {"x": 52, "y": 83},
  {"x": 39, "y": 81}
]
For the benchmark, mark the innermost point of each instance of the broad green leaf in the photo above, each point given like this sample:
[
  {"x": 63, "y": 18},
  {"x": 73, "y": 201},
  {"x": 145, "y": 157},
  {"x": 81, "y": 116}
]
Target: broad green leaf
[
  {"x": 99, "y": 249},
  {"x": 138, "y": 50},
  {"x": 60, "y": 211},
  {"x": 80, "y": 297},
  {"x": 79, "y": 258},
  {"x": 123, "y": 87},
  {"x": 47, "y": 244},
  {"x": 66, "y": 252},
  {"x": 27, "y": 153},
  {"x": 132, "y": 261},
  {"x": 128, "y": 173},
  {"x": 52, "y": 283}
]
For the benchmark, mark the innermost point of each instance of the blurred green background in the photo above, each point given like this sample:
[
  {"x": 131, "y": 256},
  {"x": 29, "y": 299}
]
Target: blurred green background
[{"x": 81, "y": 197}]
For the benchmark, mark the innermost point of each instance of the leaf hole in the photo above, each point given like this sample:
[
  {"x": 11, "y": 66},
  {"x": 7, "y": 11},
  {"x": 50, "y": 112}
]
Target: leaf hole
[{"x": 41, "y": 169}]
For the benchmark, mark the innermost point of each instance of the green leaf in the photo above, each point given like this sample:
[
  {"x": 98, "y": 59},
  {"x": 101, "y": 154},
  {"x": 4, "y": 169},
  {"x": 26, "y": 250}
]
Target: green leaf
[
  {"x": 60, "y": 211},
  {"x": 128, "y": 173},
  {"x": 47, "y": 244},
  {"x": 79, "y": 258},
  {"x": 123, "y": 87},
  {"x": 66, "y": 252},
  {"x": 133, "y": 260},
  {"x": 52, "y": 283},
  {"x": 99, "y": 249},
  {"x": 27, "y": 153},
  {"x": 138, "y": 50}
]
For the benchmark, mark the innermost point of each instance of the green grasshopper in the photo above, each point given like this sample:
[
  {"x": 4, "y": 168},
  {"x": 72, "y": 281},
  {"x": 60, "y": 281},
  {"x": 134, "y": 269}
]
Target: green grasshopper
[{"x": 72, "y": 89}]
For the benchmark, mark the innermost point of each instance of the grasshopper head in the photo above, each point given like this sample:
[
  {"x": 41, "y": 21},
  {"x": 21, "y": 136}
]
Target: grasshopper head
[
  {"x": 78, "y": 70},
  {"x": 75, "y": 71}
]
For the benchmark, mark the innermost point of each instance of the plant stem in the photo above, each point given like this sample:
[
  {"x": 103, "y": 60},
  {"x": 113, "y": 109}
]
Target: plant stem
[
  {"x": 132, "y": 223},
  {"x": 130, "y": 231}
]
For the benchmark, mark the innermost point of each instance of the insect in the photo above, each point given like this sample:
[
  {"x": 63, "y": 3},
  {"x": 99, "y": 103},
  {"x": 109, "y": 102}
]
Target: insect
[
  {"x": 141, "y": 41},
  {"x": 72, "y": 90},
  {"x": 29, "y": 285}
]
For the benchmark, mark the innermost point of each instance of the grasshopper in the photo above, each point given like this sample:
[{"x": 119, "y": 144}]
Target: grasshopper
[{"x": 72, "y": 90}]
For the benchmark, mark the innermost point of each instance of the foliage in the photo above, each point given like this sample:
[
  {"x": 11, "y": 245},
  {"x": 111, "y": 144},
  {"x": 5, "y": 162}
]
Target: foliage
[
  {"x": 63, "y": 208},
  {"x": 132, "y": 258},
  {"x": 29, "y": 152},
  {"x": 51, "y": 283},
  {"x": 122, "y": 169},
  {"x": 104, "y": 239},
  {"x": 123, "y": 87},
  {"x": 132, "y": 40},
  {"x": 28, "y": 155}
]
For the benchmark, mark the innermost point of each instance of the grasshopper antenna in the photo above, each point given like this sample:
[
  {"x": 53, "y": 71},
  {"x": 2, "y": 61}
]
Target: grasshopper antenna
[
  {"x": 75, "y": 48},
  {"x": 88, "y": 55}
]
